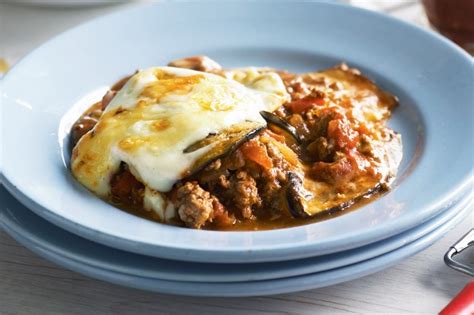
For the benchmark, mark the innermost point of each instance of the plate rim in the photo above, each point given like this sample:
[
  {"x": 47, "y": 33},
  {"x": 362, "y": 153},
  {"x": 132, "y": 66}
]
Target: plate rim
[
  {"x": 13, "y": 224},
  {"x": 267, "y": 287}
]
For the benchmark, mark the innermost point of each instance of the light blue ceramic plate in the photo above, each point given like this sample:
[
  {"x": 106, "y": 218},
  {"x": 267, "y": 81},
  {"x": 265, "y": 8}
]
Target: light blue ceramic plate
[
  {"x": 36, "y": 232},
  {"x": 44, "y": 93},
  {"x": 158, "y": 275}
]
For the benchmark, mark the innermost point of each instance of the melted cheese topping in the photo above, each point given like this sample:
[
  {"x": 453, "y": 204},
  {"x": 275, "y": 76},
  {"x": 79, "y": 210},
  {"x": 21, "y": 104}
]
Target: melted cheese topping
[{"x": 160, "y": 112}]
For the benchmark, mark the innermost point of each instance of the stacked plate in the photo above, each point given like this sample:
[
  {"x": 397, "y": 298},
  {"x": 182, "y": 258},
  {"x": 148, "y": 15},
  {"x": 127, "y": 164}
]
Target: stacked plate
[{"x": 47, "y": 211}]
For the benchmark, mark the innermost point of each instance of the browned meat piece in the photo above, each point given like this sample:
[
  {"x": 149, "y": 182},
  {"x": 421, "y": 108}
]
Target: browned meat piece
[
  {"x": 244, "y": 193},
  {"x": 346, "y": 166},
  {"x": 318, "y": 121},
  {"x": 321, "y": 149},
  {"x": 221, "y": 217},
  {"x": 196, "y": 206},
  {"x": 340, "y": 171}
]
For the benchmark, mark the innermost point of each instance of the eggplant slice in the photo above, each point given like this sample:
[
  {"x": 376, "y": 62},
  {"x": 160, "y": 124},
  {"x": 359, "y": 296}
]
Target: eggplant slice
[
  {"x": 307, "y": 198},
  {"x": 282, "y": 124},
  {"x": 303, "y": 204},
  {"x": 223, "y": 143}
]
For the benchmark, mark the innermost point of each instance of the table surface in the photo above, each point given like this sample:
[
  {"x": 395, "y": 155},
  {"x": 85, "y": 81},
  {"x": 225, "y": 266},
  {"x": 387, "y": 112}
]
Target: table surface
[{"x": 32, "y": 285}]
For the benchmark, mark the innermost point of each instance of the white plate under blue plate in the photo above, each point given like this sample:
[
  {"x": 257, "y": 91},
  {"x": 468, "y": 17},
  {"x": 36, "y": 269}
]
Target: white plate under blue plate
[
  {"x": 36, "y": 232},
  {"x": 431, "y": 76},
  {"x": 134, "y": 270}
]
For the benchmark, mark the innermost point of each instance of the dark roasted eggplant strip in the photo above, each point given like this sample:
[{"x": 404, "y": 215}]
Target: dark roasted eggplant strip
[
  {"x": 299, "y": 201},
  {"x": 295, "y": 196},
  {"x": 277, "y": 121},
  {"x": 224, "y": 143},
  {"x": 273, "y": 119}
]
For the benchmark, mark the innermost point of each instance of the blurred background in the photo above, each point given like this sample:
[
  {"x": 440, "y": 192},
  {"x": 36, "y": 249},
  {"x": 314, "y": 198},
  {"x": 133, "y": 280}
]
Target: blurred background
[{"x": 25, "y": 24}]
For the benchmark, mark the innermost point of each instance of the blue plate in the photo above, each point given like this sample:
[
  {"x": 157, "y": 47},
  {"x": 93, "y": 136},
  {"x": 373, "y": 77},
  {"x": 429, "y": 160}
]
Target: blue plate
[
  {"x": 36, "y": 232},
  {"x": 186, "y": 278},
  {"x": 44, "y": 94}
]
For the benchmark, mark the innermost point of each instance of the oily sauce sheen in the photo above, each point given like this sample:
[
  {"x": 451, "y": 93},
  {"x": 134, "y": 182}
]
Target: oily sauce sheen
[{"x": 257, "y": 225}]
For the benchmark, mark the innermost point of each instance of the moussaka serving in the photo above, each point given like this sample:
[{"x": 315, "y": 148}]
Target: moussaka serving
[{"x": 196, "y": 145}]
